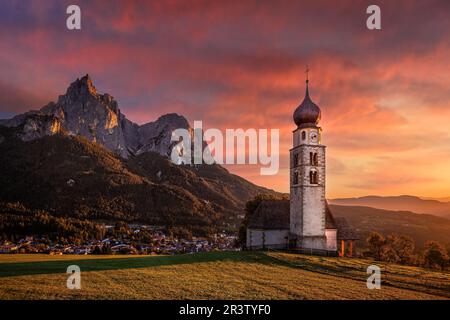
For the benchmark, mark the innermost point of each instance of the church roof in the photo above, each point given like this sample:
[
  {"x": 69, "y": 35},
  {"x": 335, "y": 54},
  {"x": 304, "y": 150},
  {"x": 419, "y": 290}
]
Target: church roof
[
  {"x": 271, "y": 214},
  {"x": 330, "y": 223},
  {"x": 344, "y": 230},
  {"x": 275, "y": 215}
]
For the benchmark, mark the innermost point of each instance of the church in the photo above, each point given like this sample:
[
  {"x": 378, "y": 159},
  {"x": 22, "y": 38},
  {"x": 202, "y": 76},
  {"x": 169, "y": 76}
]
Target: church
[{"x": 304, "y": 223}]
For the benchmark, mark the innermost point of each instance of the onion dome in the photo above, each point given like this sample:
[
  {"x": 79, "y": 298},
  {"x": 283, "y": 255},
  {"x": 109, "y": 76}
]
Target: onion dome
[{"x": 307, "y": 113}]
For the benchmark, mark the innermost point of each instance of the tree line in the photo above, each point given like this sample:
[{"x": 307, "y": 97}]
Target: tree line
[
  {"x": 401, "y": 249},
  {"x": 18, "y": 222}
]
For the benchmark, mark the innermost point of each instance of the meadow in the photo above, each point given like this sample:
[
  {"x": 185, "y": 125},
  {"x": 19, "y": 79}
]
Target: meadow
[{"x": 214, "y": 275}]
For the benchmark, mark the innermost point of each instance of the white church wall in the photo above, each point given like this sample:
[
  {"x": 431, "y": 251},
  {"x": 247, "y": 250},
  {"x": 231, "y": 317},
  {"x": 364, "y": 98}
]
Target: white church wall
[
  {"x": 313, "y": 201},
  {"x": 271, "y": 239},
  {"x": 314, "y": 242},
  {"x": 296, "y": 211},
  {"x": 331, "y": 235},
  {"x": 313, "y": 212}
]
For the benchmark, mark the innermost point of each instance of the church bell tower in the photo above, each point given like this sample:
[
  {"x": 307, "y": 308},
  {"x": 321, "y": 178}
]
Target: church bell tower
[{"x": 307, "y": 178}]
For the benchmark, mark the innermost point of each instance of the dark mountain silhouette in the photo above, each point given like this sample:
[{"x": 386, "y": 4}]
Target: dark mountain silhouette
[
  {"x": 441, "y": 199},
  {"x": 403, "y": 203},
  {"x": 421, "y": 227}
]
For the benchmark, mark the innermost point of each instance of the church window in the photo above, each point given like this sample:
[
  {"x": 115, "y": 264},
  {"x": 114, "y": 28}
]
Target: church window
[
  {"x": 313, "y": 159},
  {"x": 295, "y": 177},
  {"x": 313, "y": 177},
  {"x": 296, "y": 159},
  {"x": 303, "y": 135}
]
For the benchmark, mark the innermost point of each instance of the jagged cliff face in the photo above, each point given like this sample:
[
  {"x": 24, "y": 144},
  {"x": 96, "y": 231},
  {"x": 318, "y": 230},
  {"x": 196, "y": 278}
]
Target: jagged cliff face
[
  {"x": 83, "y": 111},
  {"x": 36, "y": 126}
]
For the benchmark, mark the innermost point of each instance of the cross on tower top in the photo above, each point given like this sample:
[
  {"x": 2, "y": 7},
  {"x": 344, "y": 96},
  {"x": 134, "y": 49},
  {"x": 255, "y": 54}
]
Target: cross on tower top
[
  {"x": 307, "y": 73},
  {"x": 307, "y": 81}
]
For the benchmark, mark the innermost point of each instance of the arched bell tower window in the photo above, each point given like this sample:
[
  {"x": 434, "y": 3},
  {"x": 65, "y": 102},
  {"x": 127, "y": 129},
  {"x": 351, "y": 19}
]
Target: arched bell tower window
[
  {"x": 295, "y": 177},
  {"x": 303, "y": 135},
  {"x": 313, "y": 159},
  {"x": 313, "y": 177},
  {"x": 296, "y": 159}
]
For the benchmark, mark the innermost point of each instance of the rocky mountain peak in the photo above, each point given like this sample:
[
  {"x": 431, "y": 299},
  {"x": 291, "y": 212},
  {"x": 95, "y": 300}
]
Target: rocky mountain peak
[
  {"x": 174, "y": 120},
  {"x": 82, "y": 110},
  {"x": 83, "y": 90},
  {"x": 81, "y": 87}
]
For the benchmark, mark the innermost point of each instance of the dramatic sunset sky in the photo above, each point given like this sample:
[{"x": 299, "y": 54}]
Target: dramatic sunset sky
[{"x": 384, "y": 95}]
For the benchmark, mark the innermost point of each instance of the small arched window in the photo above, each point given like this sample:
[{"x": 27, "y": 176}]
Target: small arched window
[
  {"x": 313, "y": 177},
  {"x": 313, "y": 159},
  {"x": 296, "y": 159},
  {"x": 303, "y": 135},
  {"x": 295, "y": 177}
]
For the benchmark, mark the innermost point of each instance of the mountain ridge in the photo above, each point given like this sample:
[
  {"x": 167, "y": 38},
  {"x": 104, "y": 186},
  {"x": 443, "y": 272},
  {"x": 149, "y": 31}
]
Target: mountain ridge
[
  {"x": 71, "y": 176},
  {"x": 421, "y": 227},
  {"x": 402, "y": 203}
]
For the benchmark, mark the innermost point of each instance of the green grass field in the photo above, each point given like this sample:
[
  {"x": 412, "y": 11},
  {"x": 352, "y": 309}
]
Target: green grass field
[{"x": 215, "y": 275}]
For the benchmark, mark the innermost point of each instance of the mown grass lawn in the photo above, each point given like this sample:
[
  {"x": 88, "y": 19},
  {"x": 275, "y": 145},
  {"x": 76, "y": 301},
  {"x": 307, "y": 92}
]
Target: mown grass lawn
[{"x": 215, "y": 275}]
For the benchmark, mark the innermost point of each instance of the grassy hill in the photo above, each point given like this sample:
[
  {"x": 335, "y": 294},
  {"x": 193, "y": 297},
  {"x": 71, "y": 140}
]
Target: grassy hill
[
  {"x": 215, "y": 275},
  {"x": 421, "y": 227}
]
